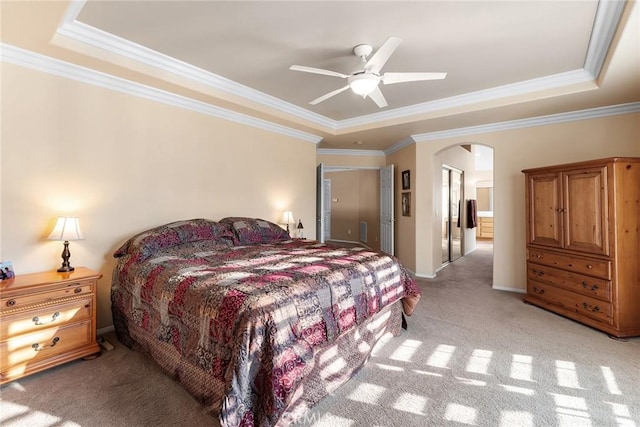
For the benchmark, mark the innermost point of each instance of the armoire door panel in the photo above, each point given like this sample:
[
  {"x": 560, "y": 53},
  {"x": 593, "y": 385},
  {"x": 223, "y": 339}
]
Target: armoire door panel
[
  {"x": 545, "y": 225},
  {"x": 586, "y": 210}
]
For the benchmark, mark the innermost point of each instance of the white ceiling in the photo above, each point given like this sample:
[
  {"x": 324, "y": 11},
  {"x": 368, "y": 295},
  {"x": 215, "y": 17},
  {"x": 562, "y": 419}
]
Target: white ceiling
[{"x": 506, "y": 60}]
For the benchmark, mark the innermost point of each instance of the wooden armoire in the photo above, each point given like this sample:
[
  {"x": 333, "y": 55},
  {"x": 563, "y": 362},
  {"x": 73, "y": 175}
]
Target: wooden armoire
[{"x": 583, "y": 242}]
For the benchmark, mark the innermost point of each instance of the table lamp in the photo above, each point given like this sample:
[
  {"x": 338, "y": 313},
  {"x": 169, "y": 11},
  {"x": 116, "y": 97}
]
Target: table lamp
[
  {"x": 287, "y": 218},
  {"x": 66, "y": 229}
]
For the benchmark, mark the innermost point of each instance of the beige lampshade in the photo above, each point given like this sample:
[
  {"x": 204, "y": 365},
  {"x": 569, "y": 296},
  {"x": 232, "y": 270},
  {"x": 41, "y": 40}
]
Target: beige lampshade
[
  {"x": 66, "y": 229},
  {"x": 287, "y": 218}
]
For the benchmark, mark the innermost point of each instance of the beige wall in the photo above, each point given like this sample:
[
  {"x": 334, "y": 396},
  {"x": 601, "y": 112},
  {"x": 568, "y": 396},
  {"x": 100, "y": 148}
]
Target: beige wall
[
  {"x": 515, "y": 150},
  {"x": 345, "y": 204},
  {"x": 124, "y": 164},
  {"x": 406, "y": 228}
]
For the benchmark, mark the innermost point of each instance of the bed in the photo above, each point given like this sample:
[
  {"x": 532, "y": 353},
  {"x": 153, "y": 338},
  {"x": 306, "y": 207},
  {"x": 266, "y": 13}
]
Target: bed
[{"x": 255, "y": 325}]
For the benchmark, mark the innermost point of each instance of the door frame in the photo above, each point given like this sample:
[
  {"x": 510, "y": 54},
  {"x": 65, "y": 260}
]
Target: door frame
[{"x": 321, "y": 169}]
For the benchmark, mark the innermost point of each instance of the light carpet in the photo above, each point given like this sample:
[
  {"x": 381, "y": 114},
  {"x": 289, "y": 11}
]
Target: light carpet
[{"x": 472, "y": 356}]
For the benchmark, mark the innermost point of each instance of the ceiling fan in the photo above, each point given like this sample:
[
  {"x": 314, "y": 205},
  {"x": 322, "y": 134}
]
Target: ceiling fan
[{"x": 365, "y": 81}]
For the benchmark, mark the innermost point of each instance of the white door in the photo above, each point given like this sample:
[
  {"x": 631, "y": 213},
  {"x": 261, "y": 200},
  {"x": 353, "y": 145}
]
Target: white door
[
  {"x": 327, "y": 209},
  {"x": 387, "y": 217},
  {"x": 320, "y": 203}
]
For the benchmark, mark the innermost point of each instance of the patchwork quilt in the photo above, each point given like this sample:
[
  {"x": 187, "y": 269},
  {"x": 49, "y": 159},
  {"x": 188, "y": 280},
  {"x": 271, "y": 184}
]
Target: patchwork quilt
[{"x": 252, "y": 315}]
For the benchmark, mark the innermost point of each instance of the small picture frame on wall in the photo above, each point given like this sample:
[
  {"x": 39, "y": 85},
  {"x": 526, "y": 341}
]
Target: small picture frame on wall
[
  {"x": 406, "y": 204},
  {"x": 6, "y": 270},
  {"x": 406, "y": 180}
]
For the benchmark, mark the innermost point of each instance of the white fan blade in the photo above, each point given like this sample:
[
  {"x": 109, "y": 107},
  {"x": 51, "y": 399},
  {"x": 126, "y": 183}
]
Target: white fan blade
[
  {"x": 328, "y": 95},
  {"x": 378, "y": 98},
  {"x": 381, "y": 57},
  {"x": 317, "y": 71},
  {"x": 389, "y": 78}
]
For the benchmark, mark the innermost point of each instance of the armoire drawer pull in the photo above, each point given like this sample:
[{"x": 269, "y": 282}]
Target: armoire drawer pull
[
  {"x": 538, "y": 291},
  {"x": 590, "y": 307},
  {"x": 36, "y": 346},
  {"x": 589, "y": 266},
  {"x": 36, "y": 319},
  {"x": 591, "y": 288},
  {"x": 11, "y": 302},
  {"x": 537, "y": 272}
]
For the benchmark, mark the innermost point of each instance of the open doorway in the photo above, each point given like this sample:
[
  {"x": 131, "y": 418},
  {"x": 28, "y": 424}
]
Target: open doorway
[
  {"x": 355, "y": 206},
  {"x": 464, "y": 189}
]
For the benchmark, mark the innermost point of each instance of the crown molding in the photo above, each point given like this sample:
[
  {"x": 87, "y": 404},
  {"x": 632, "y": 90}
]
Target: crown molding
[
  {"x": 515, "y": 89},
  {"x": 608, "y": 15},
  {"x": 593, "y": 113},
  {"x": 36, "y": 61},
  {"x": 104, "y": 41},
  {"x": 400, "y": 145},
  {"x": 350, "y": 152},
  {"x": 605, "y": 24}
]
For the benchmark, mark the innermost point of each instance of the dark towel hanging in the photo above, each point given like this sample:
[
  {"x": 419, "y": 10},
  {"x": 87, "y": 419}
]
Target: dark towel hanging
[{"x": 472, "y": 213}]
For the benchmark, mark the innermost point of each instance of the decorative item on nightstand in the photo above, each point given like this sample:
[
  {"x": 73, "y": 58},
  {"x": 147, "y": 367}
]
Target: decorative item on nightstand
[
  {"x": 287, "y": 218},
  {"x": 66, "y": 229},
  {"x": 300, "y": 228}
]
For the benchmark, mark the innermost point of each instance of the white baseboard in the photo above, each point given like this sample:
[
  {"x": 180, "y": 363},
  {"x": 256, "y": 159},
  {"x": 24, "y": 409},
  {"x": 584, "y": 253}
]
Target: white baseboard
[{"x": 502, "y": 288}]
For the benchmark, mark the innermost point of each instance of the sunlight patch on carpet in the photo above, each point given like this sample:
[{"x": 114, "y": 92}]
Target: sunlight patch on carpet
[
  {"x": 461, "y": 414},
  {"x": 412, "y": 403},
  {"x": 441, "y": 356},
  {"x": 566, "y": 374},
  {"x": 516, "y": 418},
  {"x": 479, "y": 361},
  {"x": 610, "y": 379},
  {"x": 367, "y": 393},
  {"x": 522, "y": 367}
]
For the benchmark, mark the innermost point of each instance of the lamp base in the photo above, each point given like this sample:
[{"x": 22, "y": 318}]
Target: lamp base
[{"x": 66, "y": 267}]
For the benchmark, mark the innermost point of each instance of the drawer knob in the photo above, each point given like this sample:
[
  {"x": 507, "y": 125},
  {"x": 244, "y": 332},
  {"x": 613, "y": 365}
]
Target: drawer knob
[
  {"x": 36, "y": 346},
  {"x": 538, "y": 291},
  {"x": 37, "y": 321},
  {"x": 77, "y": 290},
  {"x": 11, "y": 302},
  {"x": 590, "y": 307},
  {"x": 538, "y": 256},
  {"x": 591, "y": 288},
  {"x": 589, "y": 266}
]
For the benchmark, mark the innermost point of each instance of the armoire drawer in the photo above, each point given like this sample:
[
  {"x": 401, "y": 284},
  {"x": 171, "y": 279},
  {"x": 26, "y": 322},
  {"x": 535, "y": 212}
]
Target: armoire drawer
[
  {"x": 580, "y": 304},
  {"x": 590, "y": 266},
  {"x": 575, "y": 282}
]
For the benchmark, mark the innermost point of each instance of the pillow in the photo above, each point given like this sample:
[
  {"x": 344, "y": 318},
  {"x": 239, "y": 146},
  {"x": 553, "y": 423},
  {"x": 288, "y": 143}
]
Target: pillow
[
  {"x": 252, "y": 231},
  {"x": 150, "y": 241}
]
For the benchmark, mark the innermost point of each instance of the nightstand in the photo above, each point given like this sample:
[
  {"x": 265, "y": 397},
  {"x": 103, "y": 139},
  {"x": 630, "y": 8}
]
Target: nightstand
[{"x": 46, "y": 319}]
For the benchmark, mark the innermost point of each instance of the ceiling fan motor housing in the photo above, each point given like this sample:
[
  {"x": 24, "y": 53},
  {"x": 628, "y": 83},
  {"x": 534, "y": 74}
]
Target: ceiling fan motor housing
[{"x": 363, "y": 50}]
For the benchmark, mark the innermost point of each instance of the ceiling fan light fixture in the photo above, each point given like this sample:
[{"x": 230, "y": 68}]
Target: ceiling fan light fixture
[{"x": 363, "y": 84}]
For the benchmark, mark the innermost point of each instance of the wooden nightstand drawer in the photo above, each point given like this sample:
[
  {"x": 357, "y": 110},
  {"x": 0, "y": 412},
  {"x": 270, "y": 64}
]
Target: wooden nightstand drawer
[
  {"x": 69, "y": 290},
  {"x": 27, "y": 321},
  {"x": 35, "y": 347},
  {"x": 46, "y": 319}
]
